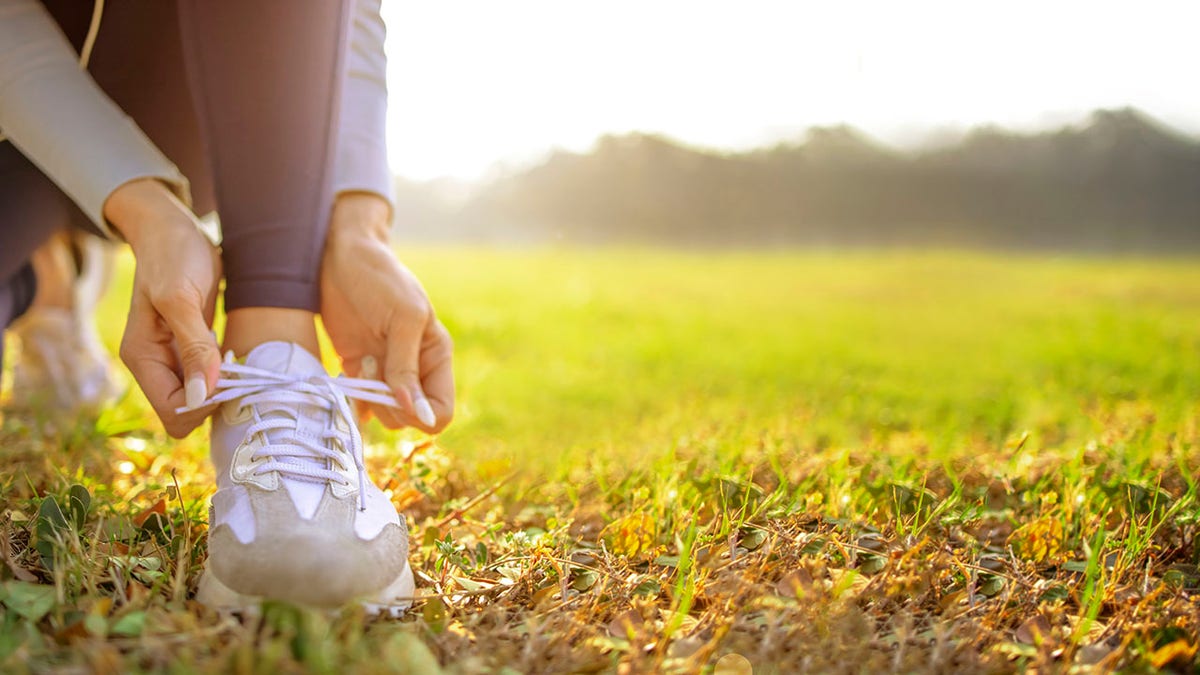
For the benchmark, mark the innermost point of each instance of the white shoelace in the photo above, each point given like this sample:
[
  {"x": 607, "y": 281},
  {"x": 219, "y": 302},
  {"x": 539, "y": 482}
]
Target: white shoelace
[{"x": 275, "y": 399}]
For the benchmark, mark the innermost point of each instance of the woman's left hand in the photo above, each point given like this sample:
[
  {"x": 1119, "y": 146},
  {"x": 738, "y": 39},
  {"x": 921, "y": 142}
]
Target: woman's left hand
[{"x": 377, "y": 314}]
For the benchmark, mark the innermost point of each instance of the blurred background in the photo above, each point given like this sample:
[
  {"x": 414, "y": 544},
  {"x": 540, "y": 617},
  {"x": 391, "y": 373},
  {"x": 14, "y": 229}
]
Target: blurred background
[
  {"x": 1064, "y": 126},
  {"x": 856, "y": 331},
  {"x": 668, "y": 229}
]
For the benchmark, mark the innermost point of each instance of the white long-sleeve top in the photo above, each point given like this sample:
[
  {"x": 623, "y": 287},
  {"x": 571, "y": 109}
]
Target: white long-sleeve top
[{"x": 59, "y": 118}]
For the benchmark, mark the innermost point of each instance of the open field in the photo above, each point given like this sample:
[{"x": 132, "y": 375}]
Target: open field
[{"x": 943, "y": 462}]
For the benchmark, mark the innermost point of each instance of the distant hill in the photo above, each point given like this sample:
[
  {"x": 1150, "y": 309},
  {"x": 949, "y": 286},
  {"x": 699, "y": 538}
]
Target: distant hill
[{"x": 1119, "y": 181}]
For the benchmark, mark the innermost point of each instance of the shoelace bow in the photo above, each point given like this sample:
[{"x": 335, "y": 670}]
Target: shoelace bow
[{"x": 267, "y": 392}]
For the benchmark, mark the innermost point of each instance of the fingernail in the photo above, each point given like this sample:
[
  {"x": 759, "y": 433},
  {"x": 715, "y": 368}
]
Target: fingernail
[
  {"x": 424, "y": 411},
  {"x": 370, "y": 367},
  {"x": 196, "y": 390}
]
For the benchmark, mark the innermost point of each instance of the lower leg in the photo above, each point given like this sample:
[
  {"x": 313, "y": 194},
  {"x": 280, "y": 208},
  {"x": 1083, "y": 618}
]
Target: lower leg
[
  {"x": 249, "y": 327},
  {"x": 266, "y": 78}
]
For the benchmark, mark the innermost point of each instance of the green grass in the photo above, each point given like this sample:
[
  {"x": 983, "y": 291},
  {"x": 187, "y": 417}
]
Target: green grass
[{"x": 820, "y": 461}]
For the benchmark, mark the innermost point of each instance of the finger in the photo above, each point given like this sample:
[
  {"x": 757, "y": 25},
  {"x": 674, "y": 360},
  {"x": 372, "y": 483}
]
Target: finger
[
  {"x": 368, "y": 367},
  {"x": 390, "y": 416},
  {"x": 355, "y": 367},
  {"x": 437, "y": 373},
  {"x": 160, "y": 383},
  {"x": 198, "y": 352},
  {"x": 146, "y": 350},
  {"x": 402, "y": 368}
]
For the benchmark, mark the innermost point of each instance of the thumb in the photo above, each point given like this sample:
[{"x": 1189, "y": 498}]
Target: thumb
[
  {"x": 197, "y": 347},
  {"x": 402, "y": 370}
]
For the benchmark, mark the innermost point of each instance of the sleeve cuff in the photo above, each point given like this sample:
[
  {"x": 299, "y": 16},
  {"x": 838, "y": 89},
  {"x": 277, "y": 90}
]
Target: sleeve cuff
[
  {"x": 92, "y": 196},
  {"x": 58, "y": 117}
]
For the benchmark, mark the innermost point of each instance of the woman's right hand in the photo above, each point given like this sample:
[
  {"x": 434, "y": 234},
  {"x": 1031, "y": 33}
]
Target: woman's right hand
[{"x": 168, "y": 345}]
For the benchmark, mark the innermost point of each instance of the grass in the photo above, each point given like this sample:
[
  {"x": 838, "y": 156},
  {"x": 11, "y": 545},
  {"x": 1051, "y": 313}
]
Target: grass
[{"x": 665, "y": 462}]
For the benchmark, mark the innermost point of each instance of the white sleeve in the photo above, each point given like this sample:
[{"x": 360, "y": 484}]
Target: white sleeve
[
  {"x": 361, "y": 163},
  {"x": 57, "y": 116}
]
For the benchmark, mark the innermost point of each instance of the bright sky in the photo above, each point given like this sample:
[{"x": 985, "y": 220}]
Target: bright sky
[{"x": 475, "y": 82}]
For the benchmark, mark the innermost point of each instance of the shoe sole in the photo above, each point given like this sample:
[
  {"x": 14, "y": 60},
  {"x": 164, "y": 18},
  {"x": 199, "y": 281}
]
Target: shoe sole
[{"x": 392, "y": 601}]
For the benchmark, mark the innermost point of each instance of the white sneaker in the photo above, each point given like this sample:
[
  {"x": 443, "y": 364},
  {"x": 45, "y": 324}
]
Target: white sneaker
[
  {"x": 295, "y": 517},
  {"x": 62, "y": 362}
]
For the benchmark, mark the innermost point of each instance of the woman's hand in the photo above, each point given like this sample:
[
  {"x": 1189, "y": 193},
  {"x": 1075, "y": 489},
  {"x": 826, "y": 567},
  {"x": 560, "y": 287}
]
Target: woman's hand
[
  {"x": 377, "y": 314},
  {"x": 168, "y": 343}
]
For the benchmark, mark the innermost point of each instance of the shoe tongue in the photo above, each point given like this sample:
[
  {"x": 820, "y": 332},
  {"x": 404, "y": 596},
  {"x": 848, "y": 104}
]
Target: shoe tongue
[{"x": 286, "y": 358}]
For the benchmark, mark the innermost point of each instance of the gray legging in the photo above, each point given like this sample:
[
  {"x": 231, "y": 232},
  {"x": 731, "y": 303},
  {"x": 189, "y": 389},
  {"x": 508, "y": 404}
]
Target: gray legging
[{"x": 243, "y": 97}]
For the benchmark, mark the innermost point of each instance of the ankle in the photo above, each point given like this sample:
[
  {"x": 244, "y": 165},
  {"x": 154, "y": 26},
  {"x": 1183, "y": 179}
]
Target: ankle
[{"x": 249, "y": 327}]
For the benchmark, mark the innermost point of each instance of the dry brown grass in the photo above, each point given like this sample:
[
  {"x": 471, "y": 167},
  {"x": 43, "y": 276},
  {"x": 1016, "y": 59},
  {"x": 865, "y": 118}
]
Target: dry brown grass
[{"x": 823, "y": 464}]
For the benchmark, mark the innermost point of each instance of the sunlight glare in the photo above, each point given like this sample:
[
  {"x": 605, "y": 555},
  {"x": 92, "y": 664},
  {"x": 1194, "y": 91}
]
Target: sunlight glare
[{"x": 474, "y": 82}]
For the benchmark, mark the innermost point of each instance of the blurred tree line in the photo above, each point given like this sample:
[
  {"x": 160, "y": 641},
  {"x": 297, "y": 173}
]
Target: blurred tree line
[{"x": 1120, "y": 181}]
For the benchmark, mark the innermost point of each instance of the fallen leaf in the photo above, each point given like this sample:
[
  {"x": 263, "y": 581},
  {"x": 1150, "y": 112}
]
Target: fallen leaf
[
  {"x": 733, "y": 664},
  {"x": 1034, "y": 631},
  {"x": 630, "y": 535},
  {"x": 75, "y": 629},
  {"x": 626, "y": 624},
  {"x": 159, "y": 507},
  {"x": 30, "y": 601},
  {"x": 953, "y": 600},
  {"x": 584, "y": 580},
  {"x": 583, "y": 557},
  {"x": 406, "y": 497},
  {"x": 1180, "y": 650},
  {"x": 101, "y": 607},
  {"x": 648, "y": 587},
  {"x": 684, "y": 647},
  {"x": 794, "y": 583},
  {"x": 1039, "y": 540},
  {"x": 1091, "y": 654},
  {"x": 131, "y": 625},
  {"x": 545, "y": 593},
  {"x": 751, "y": 539},
  {"x": 434, "y": 613}
]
